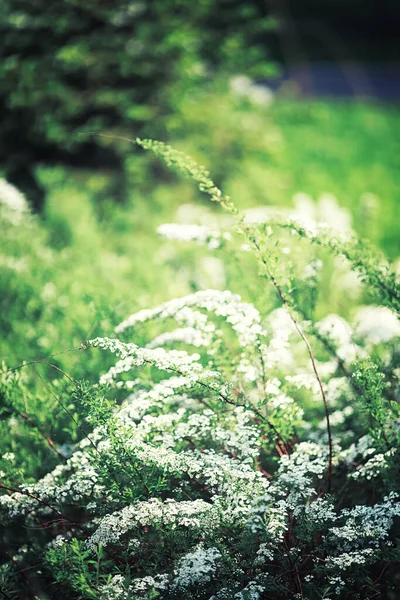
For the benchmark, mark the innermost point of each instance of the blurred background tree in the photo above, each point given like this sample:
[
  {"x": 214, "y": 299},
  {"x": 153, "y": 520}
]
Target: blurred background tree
[{"x": 72, "y": 67}]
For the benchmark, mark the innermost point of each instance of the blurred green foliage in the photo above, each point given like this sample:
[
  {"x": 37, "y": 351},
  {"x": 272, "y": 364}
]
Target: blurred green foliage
[{"x": 71, "y": 67}]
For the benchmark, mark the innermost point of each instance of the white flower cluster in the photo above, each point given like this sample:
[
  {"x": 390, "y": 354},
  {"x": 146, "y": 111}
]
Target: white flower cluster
[
  {"x": 201, "y": 234},
  {"x": 337, "y": 583},
  {"x": 307, "y": 381},
  {"x": 252, "y": 591},
  {"x": 348, "y": 559},
  {"x": 115, "y": 589},
  {"x": 259, "y": 95},
  {"x": 277, "y": 400},
  {"x": 377, "y": 324},
  {"x": 374, "y": 466},
  {"x": 143, "y": 585},
  {"x": 197, "y": 330},
  {"x": 338, "y": 417},
  {"x": 312, "y": 216},
  {"x": 264, "y": 553},
  {"x": 269, "y": 515},
  {"x": 336, "y": 388},
  {"x": 237, "y": 434},
  {"x": 196, "y": 568},
  {"x": 175, "y": 361},
  {"x": 297, "y": 472},
  {"x": 186, "y": 335},
  {"x": 341, "y": 333},
  {"x": 71, "y": 482},
  {"x": 278, "y": 351},
  {"x": 365, "y": 524},
  {"x": 320, "y": 511},
  {"x": 152, "y": 513},
  {"x": 118, "y": 588},
  {"x": 12, "y": 202},
  {"x": 325, "y": 211},
  {"x": 243, "y": 317},
  {"x": 200, "y": 440},
  {"x": 234, "y": 482},
  {"x": 137, "y": 403}
]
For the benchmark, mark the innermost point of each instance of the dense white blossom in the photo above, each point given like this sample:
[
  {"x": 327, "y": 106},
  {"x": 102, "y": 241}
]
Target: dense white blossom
[
  {"x": 341, "y": 333},
  {"x": 277, "y": 351},
  {"x": 325, "y": 210},
  {"x": 13, "y": 204},
  {"x": 201, "y": 234},
  {"x": 196, "y": 568},
  {"x": 297, "y": 471},
  {"x": 175, "y": 361},
  {"x": 158, "y": 582},
  {"x": 377, "y": 324},
  {"x": 365, "y": 524},
  {"x": 151, "y": 513},
  {"x": 243, "y": 86},
  {"x": 215, "y": 461},
  {"x": 348, "y": 559},
  {"x": 243, "y": 317},
  {"x": 252, "y": 591},
  {"x": 72, "y": 481},
  {"x": 186, "y": 335},
  {"x": 119, "y": 588},
  {"x": 374, "y": 466}
]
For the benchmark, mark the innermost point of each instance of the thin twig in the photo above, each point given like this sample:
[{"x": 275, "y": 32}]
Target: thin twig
[
  {"x": 54, "y": 509},
  {"x": 243, "y": 405},
  {"x": 309, "y": 349},
  {"x": 44, "y": 435},
  {"x": 21, "y": 571},
  {"x": 71, "y": 416},
  {"x": 44, "y": 503},
  {"x": 109, "y": 136},
  {"x": 40, "y": 360}
]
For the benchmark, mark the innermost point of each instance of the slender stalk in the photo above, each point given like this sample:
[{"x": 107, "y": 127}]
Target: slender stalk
[
  {"x": 71, "y": 416},
  {"x": 44, "y": 435},
  {"x": 308, "y": 346},
  {"x": 43, "y": 503},
  {"x": 62, "y": 516},
  {"x": 42, "y": 360}
]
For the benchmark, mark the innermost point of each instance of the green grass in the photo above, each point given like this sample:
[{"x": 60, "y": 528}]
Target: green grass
[
  {"x": 347, "y": 149},
  {"x": 266, "y": 155}
]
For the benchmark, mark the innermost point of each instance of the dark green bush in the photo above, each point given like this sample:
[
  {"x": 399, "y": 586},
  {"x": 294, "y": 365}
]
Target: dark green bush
[{"x": 70, "y": 67}]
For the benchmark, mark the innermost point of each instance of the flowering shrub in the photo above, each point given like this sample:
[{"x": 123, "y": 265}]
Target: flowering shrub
[{"x": 228, "y": 451}]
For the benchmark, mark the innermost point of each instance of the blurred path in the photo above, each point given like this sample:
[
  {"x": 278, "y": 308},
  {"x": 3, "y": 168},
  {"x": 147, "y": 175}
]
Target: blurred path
[{"x": 379, "y": 81}]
